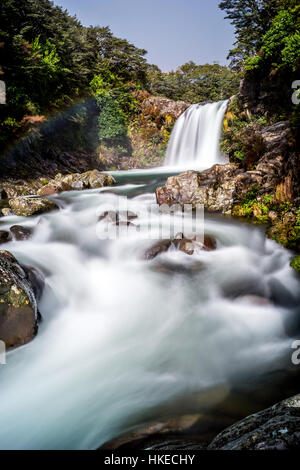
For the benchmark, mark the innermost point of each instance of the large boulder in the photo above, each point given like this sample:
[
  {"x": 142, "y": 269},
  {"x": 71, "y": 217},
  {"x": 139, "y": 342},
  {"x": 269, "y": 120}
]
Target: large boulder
[
  {"x": 214, "y": 188},
  {"x": 26, "y": 206},
  {"x": 18, "y": 306},
  {"x": 276, "y": 428}
]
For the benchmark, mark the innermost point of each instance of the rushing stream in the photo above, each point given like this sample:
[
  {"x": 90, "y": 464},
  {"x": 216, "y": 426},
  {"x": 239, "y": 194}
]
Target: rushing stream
[
  {"x": 126, "y": 341},
  {"x": 123, "y": 340}
]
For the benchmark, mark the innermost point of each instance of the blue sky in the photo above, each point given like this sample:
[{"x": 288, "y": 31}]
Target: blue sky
[{"x": 172, "y": 31}]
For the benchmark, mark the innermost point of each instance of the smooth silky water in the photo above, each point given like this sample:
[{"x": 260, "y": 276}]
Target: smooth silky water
[{"x": 126, "y": 341}]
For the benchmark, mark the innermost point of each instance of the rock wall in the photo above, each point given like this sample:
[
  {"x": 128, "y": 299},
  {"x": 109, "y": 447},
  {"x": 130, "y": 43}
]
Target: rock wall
[{"x": 149, "y": 131}]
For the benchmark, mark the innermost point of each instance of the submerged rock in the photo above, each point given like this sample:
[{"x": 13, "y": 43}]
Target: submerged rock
[
  {"x": 18, "y": 307},
  {"x": 26, "y": 206},
  {"x": 21, "y": 233},
  {"x": 276, "y": 428},
  {"x": 187, "y": 245},
  {"x": 159, "y": 247},
  {"x": 4, "y": 236}
]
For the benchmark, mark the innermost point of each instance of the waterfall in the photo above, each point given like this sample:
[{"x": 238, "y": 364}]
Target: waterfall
[{"x": 195, "y": 138}]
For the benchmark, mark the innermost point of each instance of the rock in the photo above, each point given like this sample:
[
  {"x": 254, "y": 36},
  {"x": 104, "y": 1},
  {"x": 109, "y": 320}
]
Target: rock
[
  {"x": 50, "y": 189},
  {"x": 6, "y": 211},
  {"x": 4, "y": 236},
  {"x": 21, "y": 233},
  {"x": 276, "y": 428},
  {"x": 109, "y": 216},
  {"x": 163, "y": 106},
  {"x": 26, "y": 206},
  {"x": 88, "y": 180},
  {"x": 187, "y": 246},
  {"x": 77, "y": 182},
  {"x": 214, "y": 188},
  {"x": 209, "y": 243},
  {"x": 168, "y": 434},
  {"x": 159, "y": 247},
  {"x": 18, "y": 307}
]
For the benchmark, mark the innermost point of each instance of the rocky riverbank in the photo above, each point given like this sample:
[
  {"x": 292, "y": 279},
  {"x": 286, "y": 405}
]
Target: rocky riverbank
[
  {"x": 276, "y": 428},
  {"x": 21, "y": 286},
  {"x": 267, "y": 194}
]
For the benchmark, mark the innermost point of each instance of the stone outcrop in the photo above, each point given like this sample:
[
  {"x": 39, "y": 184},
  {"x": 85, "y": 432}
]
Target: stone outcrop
[
  {"x": 214, "y": 188},
  {"x": 222, "y": 186},
  {"x": 19, "y": 289},
  {"x": 149, "y": 130},
  {"x": 276, "y": 428},
  {"x": 25, "y": 198},
  {"x": 77, "y": 181},
  {"x": 26, "y": 206}
]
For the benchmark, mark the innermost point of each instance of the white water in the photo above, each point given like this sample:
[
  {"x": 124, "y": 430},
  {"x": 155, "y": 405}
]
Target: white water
[
  {"x": 121, "y": 336},
  {"x": 194, "y": 141}
]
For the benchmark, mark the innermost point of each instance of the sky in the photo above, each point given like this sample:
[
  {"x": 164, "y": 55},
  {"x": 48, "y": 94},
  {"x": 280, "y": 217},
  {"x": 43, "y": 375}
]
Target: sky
[{"x": 172, "y": 31}]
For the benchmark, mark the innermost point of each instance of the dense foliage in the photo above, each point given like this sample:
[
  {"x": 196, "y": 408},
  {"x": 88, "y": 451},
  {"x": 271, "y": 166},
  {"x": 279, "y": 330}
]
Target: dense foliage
[
  {"x": 252, "y": 19},
  {"x": 195, "y": 83},
  {"x": 49, "y": 60}
]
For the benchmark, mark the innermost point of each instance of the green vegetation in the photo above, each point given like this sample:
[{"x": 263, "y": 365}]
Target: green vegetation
[
  {"x": 295, "y": 263},
  {"x": 50, "y": 60},
  {"x": 194, "y": 83},
  {"x": 283, "y": 218},
  {"x": 264, "y": 29}
]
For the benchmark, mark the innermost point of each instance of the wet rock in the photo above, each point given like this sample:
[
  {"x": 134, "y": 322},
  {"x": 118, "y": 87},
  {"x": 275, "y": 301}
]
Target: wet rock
[
  {"x": 6, "y": 211},
  {"x": 88, "y": 180},
  {"x": 17, "y": 188},
  {"x": 18, "y": 307},
  {"x": 214, "y": 188},
  {"x": 109, "y": 216},
  {"x": 4, "y": 236},
  {"x": 21, "y": 233},
  {"x": 164, "y": 434},
  {"x": 189, "y": 246},
  {"x": 53, "y": 188},
  {"x": 159, "y": 247},
  {"x": 26, "y": 206},
  {"x": 209, "y": 243},
  {"x": 276, "y": 428}
]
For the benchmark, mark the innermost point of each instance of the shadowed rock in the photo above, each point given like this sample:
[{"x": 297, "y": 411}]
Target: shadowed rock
[
  {"x": 18, "y": 307},
  {"x": 21, "y": 233}
]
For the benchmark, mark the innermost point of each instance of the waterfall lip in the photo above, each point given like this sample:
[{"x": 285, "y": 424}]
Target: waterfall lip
[{"x": 194, "y": 141}]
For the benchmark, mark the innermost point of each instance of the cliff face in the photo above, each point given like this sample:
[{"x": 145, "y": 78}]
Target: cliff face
[
  {"x": 262, "y": 180},
  {"x": 149, "y": 131}
]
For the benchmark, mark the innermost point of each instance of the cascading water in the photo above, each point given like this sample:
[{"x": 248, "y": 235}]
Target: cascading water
[
  {"x": 125, "y": 341},
  {"x": 194, "y": 141}
]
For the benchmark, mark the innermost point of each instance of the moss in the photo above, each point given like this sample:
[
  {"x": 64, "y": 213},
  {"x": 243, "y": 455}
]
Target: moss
[{"x": 295, "y": 263}]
